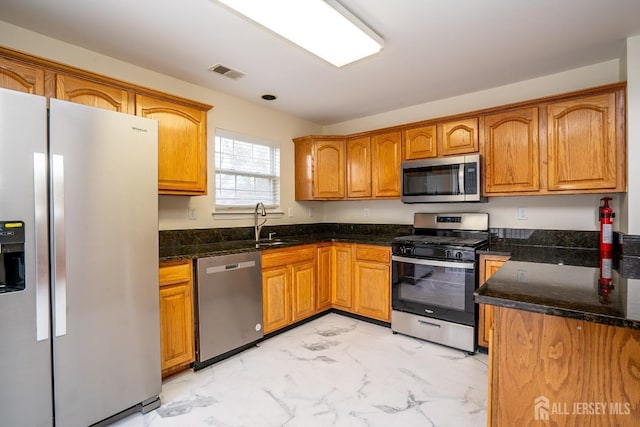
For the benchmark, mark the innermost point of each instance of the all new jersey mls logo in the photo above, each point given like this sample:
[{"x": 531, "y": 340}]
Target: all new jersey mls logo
[{"x": 541, "y": 408}]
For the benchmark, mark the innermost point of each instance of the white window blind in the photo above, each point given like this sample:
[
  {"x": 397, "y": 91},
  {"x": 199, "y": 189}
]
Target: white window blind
[{"x": 247, "y": 172}]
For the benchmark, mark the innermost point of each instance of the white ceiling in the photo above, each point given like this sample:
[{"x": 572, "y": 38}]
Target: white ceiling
[{"x": 433, "y": 49}]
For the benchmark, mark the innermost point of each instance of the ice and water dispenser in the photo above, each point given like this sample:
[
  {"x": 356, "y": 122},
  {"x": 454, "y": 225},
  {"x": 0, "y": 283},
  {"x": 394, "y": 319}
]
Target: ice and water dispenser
[{"x": 11, "y": 256}]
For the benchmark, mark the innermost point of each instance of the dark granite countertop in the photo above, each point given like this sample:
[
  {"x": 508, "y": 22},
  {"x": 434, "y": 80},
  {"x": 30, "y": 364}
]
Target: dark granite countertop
[
  {"x": 200, "y": 250},
  {"x": 561, "y": 282}
]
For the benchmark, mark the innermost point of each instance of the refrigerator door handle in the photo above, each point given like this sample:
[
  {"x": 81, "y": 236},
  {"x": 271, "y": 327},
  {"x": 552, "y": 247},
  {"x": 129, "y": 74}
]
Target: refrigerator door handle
[
  {"x": 41, "y": 252},
  {"x": 59, "y": 250}
]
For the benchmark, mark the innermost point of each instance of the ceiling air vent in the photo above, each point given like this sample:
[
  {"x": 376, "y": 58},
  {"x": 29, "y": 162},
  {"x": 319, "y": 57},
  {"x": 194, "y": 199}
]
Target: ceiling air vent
[{"x": 226, "y": 71}]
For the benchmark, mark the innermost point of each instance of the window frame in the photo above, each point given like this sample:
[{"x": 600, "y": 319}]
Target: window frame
[{"x": 276, "y": 167}]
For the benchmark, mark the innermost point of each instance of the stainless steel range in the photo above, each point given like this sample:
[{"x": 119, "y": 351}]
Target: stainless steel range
[{"x": 435, "y": 275}]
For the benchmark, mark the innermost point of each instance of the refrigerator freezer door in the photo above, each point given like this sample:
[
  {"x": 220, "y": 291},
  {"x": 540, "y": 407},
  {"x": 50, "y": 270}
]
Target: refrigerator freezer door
[
  {"x": 25, "y": 346},
  {"x": 107, "y": 351}
]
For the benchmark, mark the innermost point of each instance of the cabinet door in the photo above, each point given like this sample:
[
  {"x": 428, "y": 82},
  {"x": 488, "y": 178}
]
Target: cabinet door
[
  {"x": 182, "y": 149},
  {"x": 176, "y": 317},
  {"x": 582, "y": 144},
  {"x": 460, "y": 137},
  {"x": 488, "y": 266},
  {"x": 328, "y": 169},
  {"x": 276, "y": 304},
  {"x": 373, "y": 289},
  {"x": 387, "y": 154},
  {"x": 420, "y": 143},
  {"x": 341, "y": 286},
  {"x": 511, "y": 151},
  {"x": 87, "y": 92},
  {"x": 324, "y": 278},
  {"x": 21, "y": 77},
  {"x": 303, "y": 286},
  {"x": 359, "y": 168}
]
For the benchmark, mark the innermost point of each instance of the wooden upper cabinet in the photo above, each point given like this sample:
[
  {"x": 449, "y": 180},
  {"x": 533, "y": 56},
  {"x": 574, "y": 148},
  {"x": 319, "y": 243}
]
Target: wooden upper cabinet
[
  {"x": 386, "y": 158},
  {"x": 329, "y": 168},
  {"x": 511, "y": 151},
  {"x": 27, "y": 78},
  {"x": 359, "y": 168},
  {"x": 460, "y": 137},
  {"x": 319, "y": 168},
  {"x": 581, "y": 143},
  {"x": 420, "y": 143},
  {"x": 88, "y": 92},
  {"x": 182, "y": 145}
]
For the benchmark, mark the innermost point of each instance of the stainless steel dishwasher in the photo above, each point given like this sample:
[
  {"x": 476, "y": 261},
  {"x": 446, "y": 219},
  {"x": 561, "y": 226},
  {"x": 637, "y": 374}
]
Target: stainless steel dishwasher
[{"x": 229, "y": 305}]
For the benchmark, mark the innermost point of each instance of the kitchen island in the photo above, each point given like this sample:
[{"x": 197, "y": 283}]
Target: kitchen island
[{"x": 564, "y": 345}]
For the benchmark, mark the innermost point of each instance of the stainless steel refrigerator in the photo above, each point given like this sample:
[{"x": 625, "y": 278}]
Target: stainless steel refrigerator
[{"x": 79, "y": 304}]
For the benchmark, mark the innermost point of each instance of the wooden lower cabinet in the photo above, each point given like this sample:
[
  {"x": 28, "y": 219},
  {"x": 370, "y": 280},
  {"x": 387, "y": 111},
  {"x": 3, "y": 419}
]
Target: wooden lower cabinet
[
  {"x": 323, "y": 281},
  {"x": 489, "y": 264},
  {"x": 342, "y": 277},
  {"x": 176, "y": 316},
  {"x": 288, "y": 286},
  {"x": 561, "y": 368},
  {"x": 372, "y": 282},
  {"x": 300, "y": 282}
]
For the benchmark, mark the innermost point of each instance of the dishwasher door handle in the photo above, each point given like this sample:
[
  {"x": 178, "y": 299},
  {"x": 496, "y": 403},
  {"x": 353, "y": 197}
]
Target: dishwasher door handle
[{"x": 230, "y": 267}]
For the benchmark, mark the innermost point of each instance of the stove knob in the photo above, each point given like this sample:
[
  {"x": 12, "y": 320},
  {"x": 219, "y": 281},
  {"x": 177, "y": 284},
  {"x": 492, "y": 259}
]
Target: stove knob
[{"x": 459, "y": 255}]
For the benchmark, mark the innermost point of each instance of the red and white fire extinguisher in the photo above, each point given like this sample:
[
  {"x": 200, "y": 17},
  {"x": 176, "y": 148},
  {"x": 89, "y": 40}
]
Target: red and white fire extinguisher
[{"x": 606, "y": 227}]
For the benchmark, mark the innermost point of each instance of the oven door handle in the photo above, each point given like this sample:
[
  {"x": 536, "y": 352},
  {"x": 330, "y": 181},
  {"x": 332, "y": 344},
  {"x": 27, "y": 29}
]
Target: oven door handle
[{"x": 433, "y": 262}]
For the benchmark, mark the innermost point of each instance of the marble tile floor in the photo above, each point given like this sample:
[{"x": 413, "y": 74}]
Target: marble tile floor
[{"x": 332, "y": 371}]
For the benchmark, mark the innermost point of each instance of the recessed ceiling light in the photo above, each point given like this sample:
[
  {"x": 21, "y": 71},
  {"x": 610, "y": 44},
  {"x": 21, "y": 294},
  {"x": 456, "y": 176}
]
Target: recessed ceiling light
[
  {"x": 269, "y": 97},
  {"x": 323, "y": 27}
]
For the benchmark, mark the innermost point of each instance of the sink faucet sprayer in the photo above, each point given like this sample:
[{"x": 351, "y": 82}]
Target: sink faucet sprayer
[{"x": 259, "y": 210}]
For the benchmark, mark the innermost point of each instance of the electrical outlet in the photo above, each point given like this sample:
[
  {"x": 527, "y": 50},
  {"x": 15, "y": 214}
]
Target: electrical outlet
[
  {"x": 522, "y": 276},
  {"x": 290, "y": 212},
  {"x": 523, "y": 213},
  {"x": 310, "y": 212},
  {"x": 192, "y": 214},
  {"x": 366, "y": 211}
]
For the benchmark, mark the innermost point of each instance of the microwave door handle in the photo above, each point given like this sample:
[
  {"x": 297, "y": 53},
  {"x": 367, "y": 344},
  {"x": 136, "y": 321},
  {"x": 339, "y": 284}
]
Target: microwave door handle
[{"x": 461, "y": 179}]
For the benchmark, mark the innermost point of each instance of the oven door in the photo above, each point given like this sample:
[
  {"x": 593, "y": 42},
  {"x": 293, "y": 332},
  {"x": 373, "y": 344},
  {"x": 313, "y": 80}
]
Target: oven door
[{"x": 434, "y": 288}]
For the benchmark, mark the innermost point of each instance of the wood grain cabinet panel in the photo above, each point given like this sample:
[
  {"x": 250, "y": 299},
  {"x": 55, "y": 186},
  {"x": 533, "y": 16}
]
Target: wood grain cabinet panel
[
  {"x": 568, "y": 362},
  {"x": 342, "y": 273},
  {"x": 359, "y": 168},
  {"x": 372, "y": 282},
  {"x": 329, "y": 170},
  {"x": 511, "y": 151},
  {"x": 582, "y": 143},
  {"x": 276, "y": 294},
  {"x": 22, "y": 77},
  {"x": 420, "y": 143},
  {"x": 489, "y": 264},
  {"x": 94, "y": 94},
  {"x": 386, "y": 159},
  {"x": 182, "y": 145},
  {"x": 320, "y": 168},
  {"x": 460, "y": 137},
  {"x": 177, "y": 345},
  {"x": 324, "y": 272},
  {"x": 288, "y": 286},
  {"x": 303, "y": 290}
]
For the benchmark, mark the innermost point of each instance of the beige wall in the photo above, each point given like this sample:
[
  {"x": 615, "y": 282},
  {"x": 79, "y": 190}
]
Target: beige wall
[
  {"x": 550, "y": 212},
  {"x": 547, "y": 212},
  {"x": 631, "y": 204}
]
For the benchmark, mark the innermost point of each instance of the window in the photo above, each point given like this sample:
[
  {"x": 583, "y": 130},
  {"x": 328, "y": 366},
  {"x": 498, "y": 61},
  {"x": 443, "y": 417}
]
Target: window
[{"x": 247, "y": 172}]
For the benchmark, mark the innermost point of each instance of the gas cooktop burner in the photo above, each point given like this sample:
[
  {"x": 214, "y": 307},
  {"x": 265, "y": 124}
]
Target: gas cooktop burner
[{"x": 442, "y": 240}]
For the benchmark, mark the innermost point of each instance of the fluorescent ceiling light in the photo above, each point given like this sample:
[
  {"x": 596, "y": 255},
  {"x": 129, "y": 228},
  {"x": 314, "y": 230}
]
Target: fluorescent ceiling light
[{"x": 323, "y": 27}]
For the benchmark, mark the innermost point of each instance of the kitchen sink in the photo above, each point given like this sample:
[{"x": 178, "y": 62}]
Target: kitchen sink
[{"x": 271, "y": 243}]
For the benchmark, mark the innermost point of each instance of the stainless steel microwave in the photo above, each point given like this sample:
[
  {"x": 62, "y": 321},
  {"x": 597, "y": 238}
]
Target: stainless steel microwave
[{"x": 448, "y": 179}]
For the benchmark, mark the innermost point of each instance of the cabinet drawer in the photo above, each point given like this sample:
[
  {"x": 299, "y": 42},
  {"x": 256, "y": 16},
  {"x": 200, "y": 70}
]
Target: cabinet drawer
[
  {"x": 175, "y": 273},
  {"x": 373, "y": 253},
  {"x": 277, "y": 257}
]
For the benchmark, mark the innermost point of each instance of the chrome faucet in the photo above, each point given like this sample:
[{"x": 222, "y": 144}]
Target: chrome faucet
[{"x": 259, "y": 210}]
